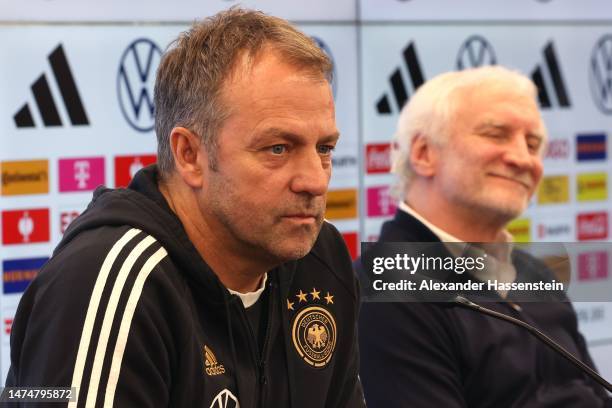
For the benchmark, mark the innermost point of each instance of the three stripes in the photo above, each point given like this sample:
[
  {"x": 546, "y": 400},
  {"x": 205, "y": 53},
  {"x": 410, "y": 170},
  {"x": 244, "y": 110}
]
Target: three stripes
[
  {"x": 44, "y": 99},
  {"x": 110, "y": 315}
]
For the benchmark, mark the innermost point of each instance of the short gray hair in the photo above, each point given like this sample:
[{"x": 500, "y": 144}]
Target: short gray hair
[
  {"x": 431, "y": 111},
  {"x": 192, "y": 72}
]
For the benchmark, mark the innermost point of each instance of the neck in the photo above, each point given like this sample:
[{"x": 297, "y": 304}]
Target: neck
[
  {"x": 466, "y": 224},
  {"x": 239, "y": 269}
]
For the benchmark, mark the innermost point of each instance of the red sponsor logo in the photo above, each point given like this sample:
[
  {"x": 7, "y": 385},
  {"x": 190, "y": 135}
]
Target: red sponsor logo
[
  {"x": 127, "y": 166},
  {"x": 592, "y": 226},
  {"x": 66, "y": 217},
  {"x": 378, "y": 158},
  {"x": 25, "y": 226},
  {"x": 557, "y": 149},
  {"x": 8, "y": 325},
  {"x": 350, "y": 238}
]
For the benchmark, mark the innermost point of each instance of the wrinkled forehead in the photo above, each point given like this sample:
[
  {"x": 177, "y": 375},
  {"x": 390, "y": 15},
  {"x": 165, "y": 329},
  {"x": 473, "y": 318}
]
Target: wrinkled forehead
[{"x": 498, "y": 104}]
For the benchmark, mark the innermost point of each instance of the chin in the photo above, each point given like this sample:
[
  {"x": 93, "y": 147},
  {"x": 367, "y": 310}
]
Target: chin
[
  {"x": 292, "y": 253},
  {"x": 508, "y": 211}
]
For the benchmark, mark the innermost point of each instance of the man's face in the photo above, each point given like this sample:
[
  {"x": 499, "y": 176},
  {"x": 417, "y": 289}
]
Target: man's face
[
  {"x": 491, "y": 164},
  {"x": 267, "y": 195}
]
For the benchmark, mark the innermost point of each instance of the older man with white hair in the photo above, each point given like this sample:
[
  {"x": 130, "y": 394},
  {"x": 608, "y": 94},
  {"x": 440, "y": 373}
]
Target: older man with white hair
[{"x": 469, "y": 157}]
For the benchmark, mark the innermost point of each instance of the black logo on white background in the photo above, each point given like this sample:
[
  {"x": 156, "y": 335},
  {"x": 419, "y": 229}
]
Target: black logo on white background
[
  {"x": 547, "y": 77},
  {"x": 135, "y": 83},
  {"x": 398, "y": 86},
  {"x": 44, "y": 99},
  {"x": 476, "y": 51},
  {"x": 600, "y": 74}
]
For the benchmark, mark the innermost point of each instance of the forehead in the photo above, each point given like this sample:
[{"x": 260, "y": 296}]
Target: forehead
[
  {"x": 266, "y": 82},
  {"x": 267, "y": 93},
  {"x": 500, "y": 105}
]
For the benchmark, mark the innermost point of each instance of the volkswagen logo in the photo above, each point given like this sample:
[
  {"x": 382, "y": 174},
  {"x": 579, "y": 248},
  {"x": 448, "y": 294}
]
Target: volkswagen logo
[
  {"x": 476, "y": 51},
  {"x": 135, "y": 83},
  {"x": 600, "y": 74},
  {"x": 323, "y": 46}
]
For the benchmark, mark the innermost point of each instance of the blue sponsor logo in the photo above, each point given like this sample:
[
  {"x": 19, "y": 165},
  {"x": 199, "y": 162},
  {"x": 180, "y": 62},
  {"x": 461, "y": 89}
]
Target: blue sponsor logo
[
  {"x": 18, "y": 273},
  {"x": 591, "y": 147}
]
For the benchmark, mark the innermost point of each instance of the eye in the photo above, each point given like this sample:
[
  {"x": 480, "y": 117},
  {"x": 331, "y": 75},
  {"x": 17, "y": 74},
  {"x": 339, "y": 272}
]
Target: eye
[
  {"x": 278, "y": 149},
  {"x": 325, "y": 149},
  {"x": 534, "y": 144}
]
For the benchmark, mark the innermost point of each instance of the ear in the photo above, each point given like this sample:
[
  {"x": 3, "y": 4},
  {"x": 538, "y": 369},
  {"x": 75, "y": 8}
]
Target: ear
[
  {"x": 423, "y": 156},
  {"x": 190, "y": 159}
]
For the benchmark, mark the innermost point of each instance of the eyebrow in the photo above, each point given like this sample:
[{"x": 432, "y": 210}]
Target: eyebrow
[
  {"x": 488, "y": 125},
  {"x": 283, "y": 134}
]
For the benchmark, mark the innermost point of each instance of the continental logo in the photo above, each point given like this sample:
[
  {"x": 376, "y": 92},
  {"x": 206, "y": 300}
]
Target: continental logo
[
  {"x": 341, "y": 204},
  {"x": 520, "y": 230},
  {"x": 592, "y": 186},
  {"x": 25, "y": 177},
  {"x": 554, "y": 190},
  {"x": 211, "y": 365}
]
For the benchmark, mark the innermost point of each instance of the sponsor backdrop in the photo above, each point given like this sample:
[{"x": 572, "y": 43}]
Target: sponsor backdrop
[{"x": 76, "y": 112}]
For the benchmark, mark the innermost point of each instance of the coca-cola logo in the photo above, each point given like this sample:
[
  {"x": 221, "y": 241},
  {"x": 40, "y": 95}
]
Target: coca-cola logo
[
  {"x": 378, "y": 158},
  {"x": 592, "y": 226}
]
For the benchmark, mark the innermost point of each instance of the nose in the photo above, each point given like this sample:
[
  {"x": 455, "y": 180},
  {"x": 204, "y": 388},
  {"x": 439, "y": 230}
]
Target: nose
[
  {"x": 311, "y": 174},
  {"x": 519, "y": 156}
]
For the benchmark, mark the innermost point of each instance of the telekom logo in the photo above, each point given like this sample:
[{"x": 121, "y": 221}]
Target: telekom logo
[
  {"x": 81, "y": 173},
  {"x": 380, "y": 202}
]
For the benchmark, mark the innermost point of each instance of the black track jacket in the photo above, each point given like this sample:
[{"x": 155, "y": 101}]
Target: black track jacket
[{"x": 128, "y": 312}]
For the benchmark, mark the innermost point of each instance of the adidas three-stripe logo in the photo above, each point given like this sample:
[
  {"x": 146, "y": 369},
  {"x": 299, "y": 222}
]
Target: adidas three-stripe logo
[
  {"x": 398, "y": 86},
  {"x": 101, "y": 348},
  {"x": 550, "y": 72},
  {"x": 44, "y": 99}
]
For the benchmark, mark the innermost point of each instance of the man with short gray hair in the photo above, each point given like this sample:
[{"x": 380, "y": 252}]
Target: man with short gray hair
[
  {"x": 213, "y": 279},
  {"x": 469, "y": 149}
]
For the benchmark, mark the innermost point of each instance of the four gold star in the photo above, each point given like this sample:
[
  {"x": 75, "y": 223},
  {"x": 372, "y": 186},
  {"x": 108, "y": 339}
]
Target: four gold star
[{"x": 329, "y": 298}]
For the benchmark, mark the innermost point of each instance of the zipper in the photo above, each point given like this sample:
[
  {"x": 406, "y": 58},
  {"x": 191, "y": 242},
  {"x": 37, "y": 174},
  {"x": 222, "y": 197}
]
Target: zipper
[
  {"x": 252, "y": 342},
  {"x": 259, "y": 360},
  {"x": 263, "y": 380}
]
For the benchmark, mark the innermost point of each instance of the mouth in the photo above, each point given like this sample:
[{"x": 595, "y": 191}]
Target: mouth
[
  {"x": 302, "y": 218},
  {"x": 524, "y": 184}
]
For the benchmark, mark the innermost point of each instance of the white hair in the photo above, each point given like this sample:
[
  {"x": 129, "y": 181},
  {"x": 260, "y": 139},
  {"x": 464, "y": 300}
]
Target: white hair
[{"x": 431, "y": 111}]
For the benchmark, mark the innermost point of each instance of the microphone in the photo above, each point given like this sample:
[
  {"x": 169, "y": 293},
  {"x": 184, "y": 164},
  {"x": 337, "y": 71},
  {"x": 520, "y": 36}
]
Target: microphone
[{"x": 462, "y": 301}]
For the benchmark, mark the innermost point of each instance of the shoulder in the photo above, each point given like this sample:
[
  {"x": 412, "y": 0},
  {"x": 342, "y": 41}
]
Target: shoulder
[{"x": 100, "y": 272}]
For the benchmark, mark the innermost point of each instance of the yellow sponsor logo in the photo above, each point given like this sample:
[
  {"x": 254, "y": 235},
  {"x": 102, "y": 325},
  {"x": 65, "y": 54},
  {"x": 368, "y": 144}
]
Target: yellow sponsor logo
[
  {"x": 341, "y": 204},
  {"x": 592, "y": 186},
  {"x": 520, "y": 230},
  {"x": 24, "y": 177},
  {"x": 554, "y": 189}
]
